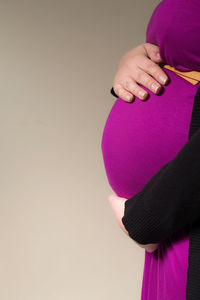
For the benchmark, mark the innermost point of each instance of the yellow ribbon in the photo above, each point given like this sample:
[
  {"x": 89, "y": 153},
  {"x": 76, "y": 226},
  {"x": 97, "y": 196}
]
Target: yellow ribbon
[{"x": 191, "y": 76}]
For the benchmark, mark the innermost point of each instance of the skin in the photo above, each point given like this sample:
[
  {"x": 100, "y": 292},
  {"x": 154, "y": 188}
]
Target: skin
[{"x": 139, "y": 65}]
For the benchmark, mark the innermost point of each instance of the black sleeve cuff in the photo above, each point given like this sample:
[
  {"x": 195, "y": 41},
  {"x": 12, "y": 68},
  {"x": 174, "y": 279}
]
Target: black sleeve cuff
[{"x": 143, "y": 225}]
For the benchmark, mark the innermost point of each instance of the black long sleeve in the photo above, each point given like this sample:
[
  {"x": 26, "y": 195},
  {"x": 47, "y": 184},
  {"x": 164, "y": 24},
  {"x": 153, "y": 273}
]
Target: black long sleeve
[{"x": 170, "y": 200}]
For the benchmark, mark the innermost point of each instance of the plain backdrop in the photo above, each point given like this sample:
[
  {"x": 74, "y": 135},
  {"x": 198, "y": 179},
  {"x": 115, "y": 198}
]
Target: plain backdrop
[{"x": 59, "y": 237}]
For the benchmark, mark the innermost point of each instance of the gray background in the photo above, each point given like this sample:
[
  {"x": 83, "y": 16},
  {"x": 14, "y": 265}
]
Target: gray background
[{"x": 59, "y": 237}]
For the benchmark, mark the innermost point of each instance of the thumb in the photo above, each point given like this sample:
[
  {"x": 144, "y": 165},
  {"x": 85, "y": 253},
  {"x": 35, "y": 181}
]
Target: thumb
[
  {"x": 153, "y": 52},
  {"x": 117, "y": 205}
]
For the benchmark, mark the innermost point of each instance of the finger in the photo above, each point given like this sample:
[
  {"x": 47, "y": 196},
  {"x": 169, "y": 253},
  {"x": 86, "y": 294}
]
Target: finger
[
  {"x": 111, "y": 198},
  {"x": 153, "y": 69},
  {"x": 114, "y": 202},
  {"x": 123, "y": 93},
  {"x": 131, "y": 86},
  {"x": 117, "y": 204},
  {"x": 147, "y": 81},
  {"x": 153, "y": 52}
]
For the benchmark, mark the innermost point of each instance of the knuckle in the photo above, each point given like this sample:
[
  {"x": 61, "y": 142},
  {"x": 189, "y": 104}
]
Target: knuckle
[
  {"x": 153, "y": 69},
  {"x": 145, "y": 79},
  {"x": 128, "y": 83},
  {"x": 139, "y": 76},
  {"x": 136, "y": 57}
]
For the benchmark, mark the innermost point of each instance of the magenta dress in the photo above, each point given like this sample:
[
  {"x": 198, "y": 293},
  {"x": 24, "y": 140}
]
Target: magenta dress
[{"x": 140, "y": 137}]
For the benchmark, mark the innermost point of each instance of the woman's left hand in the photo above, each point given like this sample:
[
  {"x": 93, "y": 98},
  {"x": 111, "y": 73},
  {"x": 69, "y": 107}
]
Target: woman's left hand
[{"x": 118, "y": 205}]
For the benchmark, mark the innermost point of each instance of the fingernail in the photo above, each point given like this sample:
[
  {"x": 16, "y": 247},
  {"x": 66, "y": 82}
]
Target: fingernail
[
  {"x": 142, "y": 94},
  {"x": 163, "y": 79},
  {"x": 155, "y": 87},
  {"x": 128, "y": 98},
  {"x": 158, "y": 55}
]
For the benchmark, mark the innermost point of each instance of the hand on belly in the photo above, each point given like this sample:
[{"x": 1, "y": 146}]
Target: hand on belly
[{"x": 117, "y": 205}]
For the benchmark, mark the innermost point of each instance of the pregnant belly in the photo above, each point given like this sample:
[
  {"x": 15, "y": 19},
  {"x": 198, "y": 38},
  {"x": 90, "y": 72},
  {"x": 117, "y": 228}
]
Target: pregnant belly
[{"x": 140, "y": 137}]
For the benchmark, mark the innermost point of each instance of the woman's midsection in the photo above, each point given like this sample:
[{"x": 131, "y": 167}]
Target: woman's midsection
[{"x": 140, "y": 137}]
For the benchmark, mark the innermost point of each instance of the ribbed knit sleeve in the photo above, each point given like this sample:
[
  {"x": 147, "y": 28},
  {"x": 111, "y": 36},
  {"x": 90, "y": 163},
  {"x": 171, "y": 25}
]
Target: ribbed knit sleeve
[{"x": 170, "y": 200}]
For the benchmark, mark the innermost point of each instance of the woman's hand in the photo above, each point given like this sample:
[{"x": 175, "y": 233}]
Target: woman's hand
[
  {"x": 139, "y": 65},
  {"x": 117, "y": 204}
]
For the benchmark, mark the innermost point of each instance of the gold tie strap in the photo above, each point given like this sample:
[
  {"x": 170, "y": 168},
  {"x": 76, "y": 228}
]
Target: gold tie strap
[{"x": 191, "y": 76}]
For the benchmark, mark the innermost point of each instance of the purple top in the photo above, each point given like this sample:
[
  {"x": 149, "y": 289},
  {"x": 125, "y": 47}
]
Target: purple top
[
  {"x": 175, "y": 25},
  {"x": 140, "y": 137}
]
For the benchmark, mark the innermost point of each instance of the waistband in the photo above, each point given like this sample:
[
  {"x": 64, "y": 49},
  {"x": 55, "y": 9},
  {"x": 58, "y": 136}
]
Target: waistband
[{"x": 191, "y": 76}]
